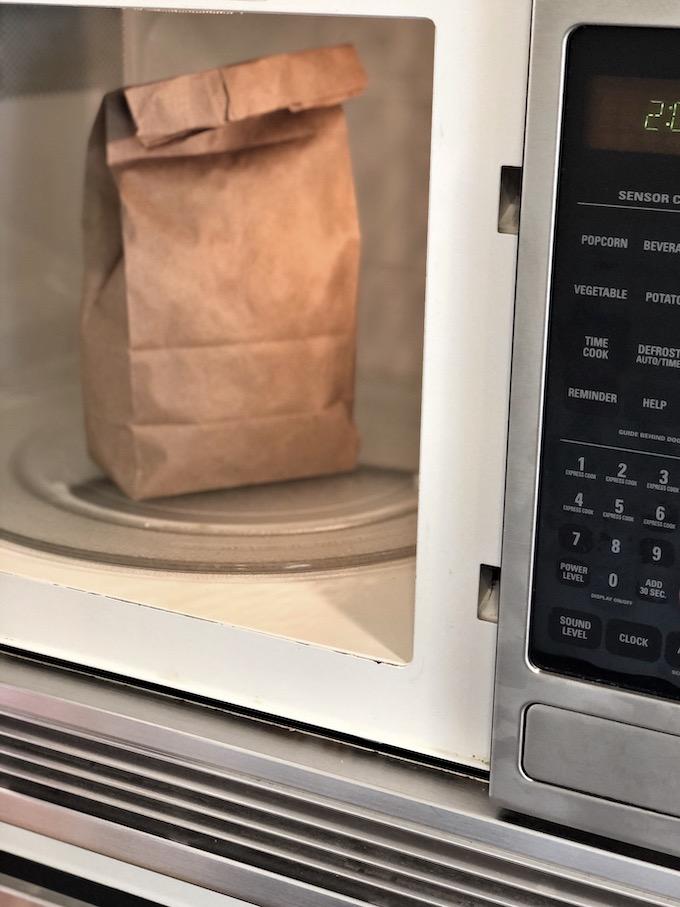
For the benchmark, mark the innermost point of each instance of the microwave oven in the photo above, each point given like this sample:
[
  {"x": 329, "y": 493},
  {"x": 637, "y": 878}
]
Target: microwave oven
[
  {"x": 345, "y": 603},
  {"x": 366, "y": 605}
]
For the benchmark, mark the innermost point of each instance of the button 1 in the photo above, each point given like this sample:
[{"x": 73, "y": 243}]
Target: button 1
[
  {"x": 631, "y": 640},
  {"x": 673, "y": 650},
  {"x": 658, "y": 552},
  {"x": 575, "y": 537},
  {"x": 576, "y": 628},
  {"x": 573, "y": 573}
]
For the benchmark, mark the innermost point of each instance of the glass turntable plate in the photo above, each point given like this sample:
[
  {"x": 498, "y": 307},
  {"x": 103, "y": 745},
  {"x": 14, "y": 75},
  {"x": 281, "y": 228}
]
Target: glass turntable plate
[{"x": 53, "y": 498}]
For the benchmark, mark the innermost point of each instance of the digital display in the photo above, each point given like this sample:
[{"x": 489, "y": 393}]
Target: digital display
[{"x": 634, "y": 114}]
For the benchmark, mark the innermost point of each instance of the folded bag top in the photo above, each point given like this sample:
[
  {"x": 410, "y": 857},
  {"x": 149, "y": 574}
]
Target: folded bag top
[{"x": 172, "y": 109}]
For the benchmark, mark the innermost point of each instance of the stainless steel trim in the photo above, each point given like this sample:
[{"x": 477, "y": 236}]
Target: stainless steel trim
[
  {"x": 17, "y": 893},
  {"x": 517, "y": 683},
  {"x": 190, "y": 791}
]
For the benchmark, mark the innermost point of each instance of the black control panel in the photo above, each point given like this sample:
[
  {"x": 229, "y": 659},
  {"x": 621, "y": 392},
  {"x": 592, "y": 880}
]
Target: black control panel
[{"x": 606, "y": 577}]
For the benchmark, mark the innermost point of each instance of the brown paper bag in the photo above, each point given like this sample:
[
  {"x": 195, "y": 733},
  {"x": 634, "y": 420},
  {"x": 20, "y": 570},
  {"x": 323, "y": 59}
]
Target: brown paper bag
[{"x": 221, "y": 261}]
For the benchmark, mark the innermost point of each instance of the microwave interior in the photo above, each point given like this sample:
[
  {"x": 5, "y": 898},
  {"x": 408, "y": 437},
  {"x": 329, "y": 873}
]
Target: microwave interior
[{"x": 325, "y": 561}]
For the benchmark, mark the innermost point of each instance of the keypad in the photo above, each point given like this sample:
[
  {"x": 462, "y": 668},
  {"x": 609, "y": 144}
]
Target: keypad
[{"x": 606, "y": 575}]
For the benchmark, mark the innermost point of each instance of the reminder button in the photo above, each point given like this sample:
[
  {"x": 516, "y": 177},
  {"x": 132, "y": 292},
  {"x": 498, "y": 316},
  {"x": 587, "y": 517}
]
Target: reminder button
[{"x": 586, "y": 397}]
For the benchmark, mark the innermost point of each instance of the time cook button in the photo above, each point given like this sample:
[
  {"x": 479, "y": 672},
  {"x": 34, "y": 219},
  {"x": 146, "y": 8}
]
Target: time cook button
[{"x": 633, "y": 640}]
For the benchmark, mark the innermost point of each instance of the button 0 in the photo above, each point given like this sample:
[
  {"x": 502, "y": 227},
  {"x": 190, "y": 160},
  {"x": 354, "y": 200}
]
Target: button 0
[
  {"x": 673, "y": 650},
  {"x": 573, "y": 573},
  {"x": 577, "y": 628},
  {"x": 631, "y": 640},
  {"x": 575, "y": 537},
  {"x": 656, "y": 551}
]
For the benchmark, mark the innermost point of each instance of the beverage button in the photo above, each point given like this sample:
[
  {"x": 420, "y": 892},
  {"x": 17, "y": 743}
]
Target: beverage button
[
  {"x": 673, "y": 650},
  {"x": 575, "y": 537},
  {"x": 576, "y": 628},
  {"x": 631, "y": 640},
  {"x": 573, "y": 573},
  {"x": 657, "y": 552}
]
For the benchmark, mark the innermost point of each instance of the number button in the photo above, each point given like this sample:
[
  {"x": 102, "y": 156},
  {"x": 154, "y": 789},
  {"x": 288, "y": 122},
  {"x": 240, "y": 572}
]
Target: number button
[
  {"x": 619, "y": 473},
  {"x": 578, "y": 504},
  {"x": 657, "y": 552},
  {"x": 662, "y": 516},
  {"x": 574, "y": 537},
  {"x": 612, "y": 545},
  {"x": 618, "y": 509},
  {"x": 664, "y": 479}
]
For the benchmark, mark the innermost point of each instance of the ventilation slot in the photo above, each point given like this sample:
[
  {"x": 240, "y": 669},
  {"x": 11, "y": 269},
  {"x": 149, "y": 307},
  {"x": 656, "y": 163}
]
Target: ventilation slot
[{"x": 284, "y": 831}]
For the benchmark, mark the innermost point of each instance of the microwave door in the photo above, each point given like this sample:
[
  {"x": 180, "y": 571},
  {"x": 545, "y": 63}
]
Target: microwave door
[{"x": 345, "y": 601}]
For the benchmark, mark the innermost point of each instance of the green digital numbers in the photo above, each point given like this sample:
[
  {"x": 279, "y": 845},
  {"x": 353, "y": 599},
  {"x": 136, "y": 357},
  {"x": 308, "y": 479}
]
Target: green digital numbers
[
  {"x": 663, "y": 115},
  {"x": 653, "y": 117}
]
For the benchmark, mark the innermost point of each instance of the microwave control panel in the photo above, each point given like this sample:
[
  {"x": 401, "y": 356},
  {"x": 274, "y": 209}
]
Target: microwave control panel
[{"x": 606, "y": 572}]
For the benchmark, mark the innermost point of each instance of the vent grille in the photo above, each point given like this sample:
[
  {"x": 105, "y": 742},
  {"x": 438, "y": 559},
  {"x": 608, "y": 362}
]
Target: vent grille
[{"x": 283, "y": 831}]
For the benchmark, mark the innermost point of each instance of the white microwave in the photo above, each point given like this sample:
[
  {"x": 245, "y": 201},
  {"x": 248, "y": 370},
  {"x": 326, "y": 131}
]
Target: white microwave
[
  {"x": 359, "y": 604},
  {"x": 366, "y": 605}
]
